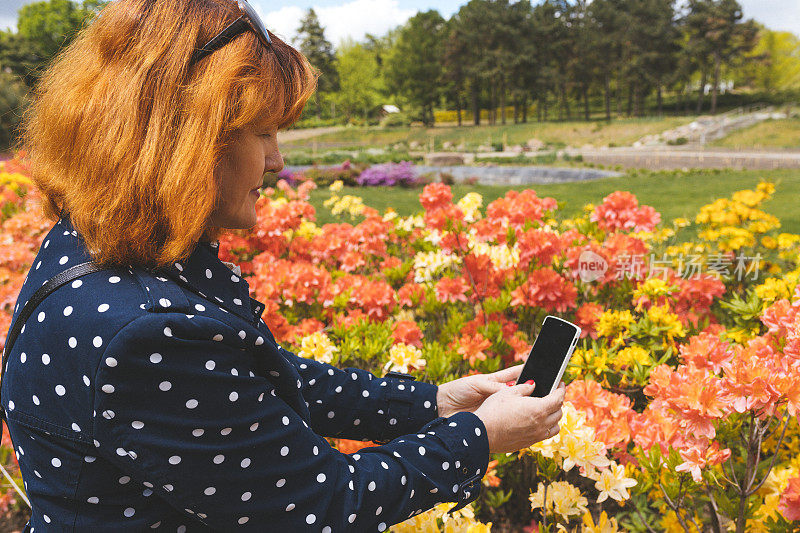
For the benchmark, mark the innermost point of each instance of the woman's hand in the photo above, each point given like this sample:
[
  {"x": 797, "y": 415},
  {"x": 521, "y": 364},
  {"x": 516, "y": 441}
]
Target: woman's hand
[
  {"x": 469, "y": 392},
  {"x": 515, "y": 420}
]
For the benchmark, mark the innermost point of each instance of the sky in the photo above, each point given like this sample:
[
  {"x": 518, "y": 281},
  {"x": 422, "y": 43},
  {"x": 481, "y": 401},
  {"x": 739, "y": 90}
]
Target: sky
[{"x": 356, "y": 18}]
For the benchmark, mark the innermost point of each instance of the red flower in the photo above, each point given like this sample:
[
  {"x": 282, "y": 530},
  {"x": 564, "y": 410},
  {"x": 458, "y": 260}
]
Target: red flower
[
  {"x": 546, "y": 289},
  {"x": 471, "y": 347},
  {"x": 538, "y": 246},
  {"x": 789, "y": 505},
  {"x": 586, "y": 317},
  {"x": 620, "y": 210},
  {"x": 411, "y": 294},
  {"x": 520, "y": 207},
  {"x": 435, "y": 196},
  {"x": 451, "y": 290},
  {"x": 407, "y": 331}
]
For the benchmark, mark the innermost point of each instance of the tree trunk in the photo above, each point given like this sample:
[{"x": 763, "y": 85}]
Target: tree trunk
[
  {"x": 630, "y": 99},
  {"x": 660, "y": 100},
  {"x": 524, "y": 108},
  {"x": 608, "y": 97},
  {"x": 503, "y": 101},
  {"x": 715, "y": 89},
  {"x": 476, "y": 109},
  {"x": 702, "y": 93},
  {"x": 586, "y": 102},
  {"x": 516, "y": 109}
]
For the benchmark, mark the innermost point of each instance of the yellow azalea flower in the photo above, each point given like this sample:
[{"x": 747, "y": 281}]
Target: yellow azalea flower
[
  {"x": 661, "y": 316},
  {"x": 278, "y": 202},
  {"x": 670, "y": 524},
  {"x": 614, "y": 324},
  {"x": 574, "y": 444},
  {"x": 317, "y": 346},
  {"x": 787, "y": 241},
  {"x": 471, "y": 204},
  {"x": 429, "y": 264},
  {"x": 681, "y": 222},
  {"x": 627, "y": 356},
  {"x": 769, "y": 242},
  {"x": 563, "y": 499},
  {"x": 612, "y": 483},
  {"x": 404, "y": 357},
  {"x": 502, "y": 257},
  {"x": 353, "y": 205},
  {"x": 390, "y": 214},
  {"x": 654, "y": 287},
  {"x": 773, "y": 289},
  {"x": 604, "y": 524},
  {"x": 336, "y": 186},
  {"x": 408, "y": 224},
  {"x": 596, "y": 362},
  {"x": 308, "y": 229}
]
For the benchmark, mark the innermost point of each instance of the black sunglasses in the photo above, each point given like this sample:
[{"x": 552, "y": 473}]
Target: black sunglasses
[{"x": 248, "y": 20}]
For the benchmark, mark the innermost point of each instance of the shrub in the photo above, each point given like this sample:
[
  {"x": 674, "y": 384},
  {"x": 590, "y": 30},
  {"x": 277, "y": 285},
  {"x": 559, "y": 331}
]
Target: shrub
[{"x": 389, "y": 174}]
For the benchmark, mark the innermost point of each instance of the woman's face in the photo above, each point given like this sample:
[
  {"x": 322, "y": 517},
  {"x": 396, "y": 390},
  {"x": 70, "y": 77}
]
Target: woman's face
[{"x": 240, "y": 174}]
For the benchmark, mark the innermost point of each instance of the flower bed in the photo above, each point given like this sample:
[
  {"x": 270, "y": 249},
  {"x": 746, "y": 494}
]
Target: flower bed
[{"x": 683, "y": 395}]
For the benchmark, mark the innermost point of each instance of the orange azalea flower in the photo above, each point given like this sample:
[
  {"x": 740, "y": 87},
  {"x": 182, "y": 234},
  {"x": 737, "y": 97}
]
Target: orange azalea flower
[
  {"x": 488, "y": 281},
  {"x": 352, "y": 446},
  {"x": 411, "y": 294},
  {"x": 520, "y": 207},
  {"x": 439, "y": 218},
  {"x": 546, "y": 289},
  {"x": 390, "y": 262},
  {"x": 789, "y": 505},
  {"x": 620, "y": 211},
  {"x": 471, "y": 347},
  {"x": 451, "y": 290},
  {"x": 586, "y": 317},
  {"x": 408, "y": 332},
  {"x": 376, "y": 298},
  {"x": 352, "y": 260},
  {"x": 539, "y": 247},
  {"x": 490, "y": 479},
  {"x": 707, "y": 351},
  {"x": 353, "y": 317},
  {"x": 435, "y": 196}
]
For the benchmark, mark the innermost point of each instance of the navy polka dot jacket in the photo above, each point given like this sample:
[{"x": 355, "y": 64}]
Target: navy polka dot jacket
[{"x": 141, "y": 400}]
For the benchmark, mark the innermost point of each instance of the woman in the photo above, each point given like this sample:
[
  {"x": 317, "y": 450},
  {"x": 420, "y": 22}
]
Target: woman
[{"x": 153, "y": 395}]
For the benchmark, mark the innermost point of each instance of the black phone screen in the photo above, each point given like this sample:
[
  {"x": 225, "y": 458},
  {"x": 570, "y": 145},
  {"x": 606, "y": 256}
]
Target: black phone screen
[{"x": 547, "y": 355}]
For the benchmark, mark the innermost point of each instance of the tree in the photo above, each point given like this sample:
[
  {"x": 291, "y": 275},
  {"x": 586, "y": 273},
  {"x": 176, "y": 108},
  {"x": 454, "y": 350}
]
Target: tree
[
  {"x": 43, "y": 29},
  {"x": 359, "y": 80},
  {"x": 414, "y": 64},
  {"x": 716, "y": 31},
  {"x": 773, "y": 64},
  {"x": 320, "y": 54}
]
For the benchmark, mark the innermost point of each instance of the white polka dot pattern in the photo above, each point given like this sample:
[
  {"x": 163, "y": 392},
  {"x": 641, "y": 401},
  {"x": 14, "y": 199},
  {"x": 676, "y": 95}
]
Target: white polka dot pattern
[{"x": 195, "y": 434}]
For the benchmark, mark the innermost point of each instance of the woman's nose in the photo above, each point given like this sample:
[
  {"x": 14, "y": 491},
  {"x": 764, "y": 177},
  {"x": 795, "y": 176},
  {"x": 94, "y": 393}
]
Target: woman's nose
[{"x": 275, "y": 163}]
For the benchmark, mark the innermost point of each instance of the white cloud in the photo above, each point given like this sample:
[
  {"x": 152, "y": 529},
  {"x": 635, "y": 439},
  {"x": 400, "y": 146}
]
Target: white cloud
[
  {"x": 352, "y": 19},
  {"x": 781, "y": 15}
]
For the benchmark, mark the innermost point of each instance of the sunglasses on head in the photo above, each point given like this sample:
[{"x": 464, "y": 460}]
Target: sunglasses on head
[{"x": 248, "y": 20}]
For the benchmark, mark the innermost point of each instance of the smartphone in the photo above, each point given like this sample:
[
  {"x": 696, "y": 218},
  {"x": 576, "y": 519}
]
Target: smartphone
[{"x": 549, "y": 355}]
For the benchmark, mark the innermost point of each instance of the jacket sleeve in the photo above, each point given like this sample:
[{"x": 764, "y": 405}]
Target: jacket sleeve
[
  {"x": 179, "y": 407},
  {"x": 354, "y": 404}
]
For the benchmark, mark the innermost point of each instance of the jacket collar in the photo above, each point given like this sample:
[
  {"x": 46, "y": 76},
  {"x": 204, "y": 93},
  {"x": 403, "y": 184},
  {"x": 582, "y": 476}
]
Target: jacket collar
[{"x": 204, "y": 274}]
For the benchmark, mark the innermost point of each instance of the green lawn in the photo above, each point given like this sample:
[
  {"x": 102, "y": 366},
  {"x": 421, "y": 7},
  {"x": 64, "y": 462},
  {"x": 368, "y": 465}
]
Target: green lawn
[
  {"x": 769, "y": 134},
  {"x": 673, "y": 194},
  {"x": 621, "y": 132}
]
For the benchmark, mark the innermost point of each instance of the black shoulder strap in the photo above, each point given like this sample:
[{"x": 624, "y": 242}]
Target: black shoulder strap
[{"x": 52, "y": 284}]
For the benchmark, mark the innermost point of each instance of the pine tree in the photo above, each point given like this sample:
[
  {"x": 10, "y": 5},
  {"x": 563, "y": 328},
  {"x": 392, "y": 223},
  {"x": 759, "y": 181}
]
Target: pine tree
[{"x": 319, "y": 52}]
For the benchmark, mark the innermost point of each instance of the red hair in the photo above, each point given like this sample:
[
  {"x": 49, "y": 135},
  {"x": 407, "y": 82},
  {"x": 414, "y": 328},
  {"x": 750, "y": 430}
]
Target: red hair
[{"x": 124, "y": 134}]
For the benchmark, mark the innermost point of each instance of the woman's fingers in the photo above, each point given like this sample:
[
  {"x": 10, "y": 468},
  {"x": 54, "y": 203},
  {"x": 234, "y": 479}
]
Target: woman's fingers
[{"x": 507, "y": 374}]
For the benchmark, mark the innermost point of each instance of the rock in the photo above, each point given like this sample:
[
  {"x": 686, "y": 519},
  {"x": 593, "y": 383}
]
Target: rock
[
  {"x": 447, "y": 145},
  {"x": 414, "y": 145},
  {"x": 534, "y": 145},
  {"x": 443, "y": 159}
]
